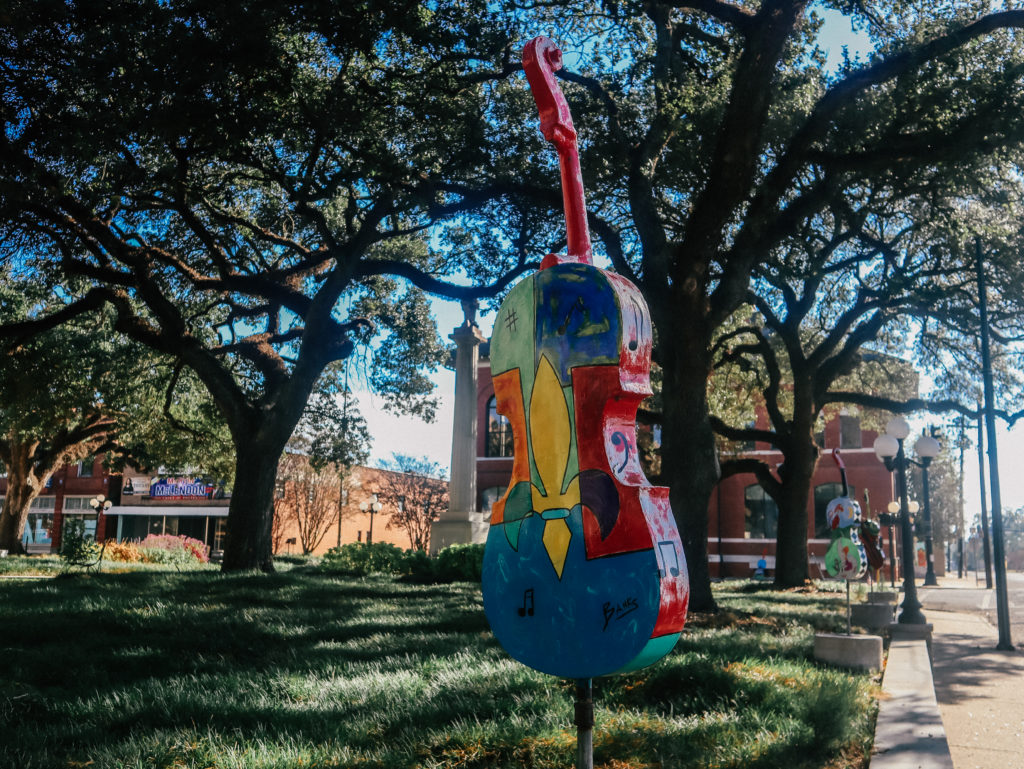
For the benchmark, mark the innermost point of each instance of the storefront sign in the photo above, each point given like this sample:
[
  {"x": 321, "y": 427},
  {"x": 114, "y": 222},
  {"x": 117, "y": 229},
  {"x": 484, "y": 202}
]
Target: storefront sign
[{"x": 181, "y": 488}]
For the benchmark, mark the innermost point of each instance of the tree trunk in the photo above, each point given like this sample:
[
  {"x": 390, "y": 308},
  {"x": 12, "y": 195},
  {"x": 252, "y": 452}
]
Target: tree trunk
[
  {"x": 689, "y": 458},
  {"x": 791, "y": 541},
  {"x": 23, "y": 486},
  {"x": 251, "y": 512},
  {"x": 15, "y": 514},
  {"x": 800, "y": 458}
]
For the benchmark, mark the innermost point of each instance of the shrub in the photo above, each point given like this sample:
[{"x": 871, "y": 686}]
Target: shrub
[
  {"x": 179, "y": 551},
  {"x": 76, "y": 548},
  {"x": 418, "y": 567},
  {"x": 359, "y": 559},
  {"x": 459, "y": 563},
  {"x": 124, "y": 552},
  {"x": 455, "y": 563}
]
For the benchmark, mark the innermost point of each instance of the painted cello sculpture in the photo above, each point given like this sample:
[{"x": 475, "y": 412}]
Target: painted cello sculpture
[
  {"x": 583, "y": 573},
  {"x": 845, "y": 557}
]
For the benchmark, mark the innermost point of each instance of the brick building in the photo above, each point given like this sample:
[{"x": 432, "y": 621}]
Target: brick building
[
  {"x": 362, "y": 487},
  {"x": 67, "y": 496}
]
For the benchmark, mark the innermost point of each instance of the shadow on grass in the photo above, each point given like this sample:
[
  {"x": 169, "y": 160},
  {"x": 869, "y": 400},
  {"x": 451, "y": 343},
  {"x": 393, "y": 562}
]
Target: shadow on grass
[{"x": 294, "y": 668}]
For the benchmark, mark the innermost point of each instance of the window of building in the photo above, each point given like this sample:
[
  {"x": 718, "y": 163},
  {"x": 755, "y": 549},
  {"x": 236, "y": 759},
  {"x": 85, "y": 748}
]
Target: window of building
[
  {"x": 36, "y": 537},
  {"x": 824, "y": 494},
  {"x": 762, "y": 514},
  {"x": 750, "y": 444},
  {"x": 85, "y": 467},
  {"x": 849, "y": 432},
  {"x": 489, "y": 496},
  {"x": 43, "y": 503},
  {"x": 498, "y": 442},
  {"x": 88, "y": 521},
  {"x": 210, "y": 530},
  {"x": 77, "y": 503},
  {"x": 220, "y": 534}
]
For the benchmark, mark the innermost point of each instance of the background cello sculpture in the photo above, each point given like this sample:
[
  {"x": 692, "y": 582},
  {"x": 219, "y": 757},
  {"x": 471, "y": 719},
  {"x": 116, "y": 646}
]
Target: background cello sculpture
[
  {"x": 584, "y": 573},
  {"x": 845, "y": 557}
]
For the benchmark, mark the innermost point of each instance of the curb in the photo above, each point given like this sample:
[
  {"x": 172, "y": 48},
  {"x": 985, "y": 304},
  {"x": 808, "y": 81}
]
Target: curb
[{"x": 909, "y": 733}]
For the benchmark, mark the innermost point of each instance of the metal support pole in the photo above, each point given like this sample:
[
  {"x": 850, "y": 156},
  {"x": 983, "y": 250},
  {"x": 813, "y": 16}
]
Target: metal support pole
[
  {"x": 929, "y": 576},
  {"x": 998, "y": 551},
  {"x": 910, "y": 609},
  {"x": 584, "y": 724},
  {"x": 849, "y": 627},
  {"x": 892, "y": 557}
]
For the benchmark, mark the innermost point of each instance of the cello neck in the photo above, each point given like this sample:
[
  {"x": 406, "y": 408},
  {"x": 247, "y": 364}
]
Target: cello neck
[
  {"x": 541, "y": 58},
  {"x": 842, "y": 471}
]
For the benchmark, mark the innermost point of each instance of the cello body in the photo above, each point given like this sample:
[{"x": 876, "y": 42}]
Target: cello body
[{"x": 584, "y": 573}]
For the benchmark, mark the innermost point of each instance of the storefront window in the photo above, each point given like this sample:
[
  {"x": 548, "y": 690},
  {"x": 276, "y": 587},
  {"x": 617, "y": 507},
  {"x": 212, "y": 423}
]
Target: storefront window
[
  {"x": 39, "y": 525},
  {"x": 207, "y": 529},
  {"x": 220, "y": 533},
  {"x": 37, "y": 529},
  {"x": 89, "y": 521}
]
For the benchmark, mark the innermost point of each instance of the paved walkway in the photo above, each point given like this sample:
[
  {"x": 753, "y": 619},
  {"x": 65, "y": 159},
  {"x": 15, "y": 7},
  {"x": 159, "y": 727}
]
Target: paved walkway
[{"x": 980, "y": 691}]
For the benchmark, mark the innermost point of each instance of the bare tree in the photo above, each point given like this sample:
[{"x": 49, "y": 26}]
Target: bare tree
[
  {"x": 414, "y": 492},
  {"x": 309, "y": 499}
]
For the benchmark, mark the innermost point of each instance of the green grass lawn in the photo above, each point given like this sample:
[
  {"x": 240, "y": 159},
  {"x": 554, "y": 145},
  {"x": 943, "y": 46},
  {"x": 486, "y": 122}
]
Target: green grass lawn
[{"x": 299, "y": 669}]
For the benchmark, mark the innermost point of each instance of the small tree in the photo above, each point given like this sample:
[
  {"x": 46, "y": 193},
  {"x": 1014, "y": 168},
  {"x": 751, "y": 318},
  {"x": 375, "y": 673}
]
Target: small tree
[
  {"x": 309, "y": 499},
  {"x": 334, "y": 435},
  {"x": 414, "y": 491}
]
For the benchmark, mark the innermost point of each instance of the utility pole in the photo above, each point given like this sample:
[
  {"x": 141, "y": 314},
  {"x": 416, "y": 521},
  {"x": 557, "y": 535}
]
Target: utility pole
[
  {"x": 998, "y": 550},
  {"x": 960, "y": 504},
  {"x": 986, "y": 551}
]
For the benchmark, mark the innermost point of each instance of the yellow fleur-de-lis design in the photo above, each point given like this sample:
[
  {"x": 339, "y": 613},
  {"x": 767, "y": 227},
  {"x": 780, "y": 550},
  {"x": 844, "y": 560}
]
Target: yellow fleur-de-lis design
[{"x": 551, "y": 438}]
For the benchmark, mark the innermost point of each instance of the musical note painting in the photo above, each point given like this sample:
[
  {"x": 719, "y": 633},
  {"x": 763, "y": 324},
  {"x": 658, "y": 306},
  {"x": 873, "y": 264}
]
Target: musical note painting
[{"x": 584, "y": 573}]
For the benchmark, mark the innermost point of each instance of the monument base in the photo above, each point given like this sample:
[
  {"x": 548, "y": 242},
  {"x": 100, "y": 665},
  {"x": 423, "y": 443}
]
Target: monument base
[
  {"x": 876, "y": 616},
  {"x": 862, "y": 652},
  {"x": 471, "y": 529}
]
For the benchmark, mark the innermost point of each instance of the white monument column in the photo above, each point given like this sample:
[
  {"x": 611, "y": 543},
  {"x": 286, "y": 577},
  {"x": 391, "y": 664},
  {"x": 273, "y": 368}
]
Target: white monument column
[{"x": 462, "y": 523}]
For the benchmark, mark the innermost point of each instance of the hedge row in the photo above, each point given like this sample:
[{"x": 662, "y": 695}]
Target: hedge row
[{"x": 455, "y": 563}]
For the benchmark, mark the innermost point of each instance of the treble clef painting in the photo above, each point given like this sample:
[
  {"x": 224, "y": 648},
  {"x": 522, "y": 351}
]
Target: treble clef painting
[{"x": 584, "y": 573}]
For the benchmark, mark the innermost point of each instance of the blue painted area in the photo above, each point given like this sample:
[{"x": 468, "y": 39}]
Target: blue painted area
[
  {"x": 578, "y": 321},
  {"x": 595, "y": 621},
  {"x": 655, "y": 649}
]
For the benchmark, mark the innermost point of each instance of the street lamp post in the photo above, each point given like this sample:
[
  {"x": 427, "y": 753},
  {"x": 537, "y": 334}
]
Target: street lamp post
[
  {"x": 927, "y": 448},
  {"x": 893, "y": 515},
  {"x": 889, "y": 450},
  {"x": 372, "y": 506},
  {"x": 100, "y": 504}
]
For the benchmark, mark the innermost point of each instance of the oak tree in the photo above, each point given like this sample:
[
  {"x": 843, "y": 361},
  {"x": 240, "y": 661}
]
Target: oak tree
[{"x": 245, "y": 186}]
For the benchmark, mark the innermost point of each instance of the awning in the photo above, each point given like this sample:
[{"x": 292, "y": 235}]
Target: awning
[{"x": 169, "y": 510}]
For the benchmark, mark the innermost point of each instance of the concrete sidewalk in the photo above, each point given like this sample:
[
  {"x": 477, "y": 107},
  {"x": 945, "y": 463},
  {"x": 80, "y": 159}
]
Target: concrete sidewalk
[
  {"x": 980, "y": 691},
  {"x": 962, "y": 708}
]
